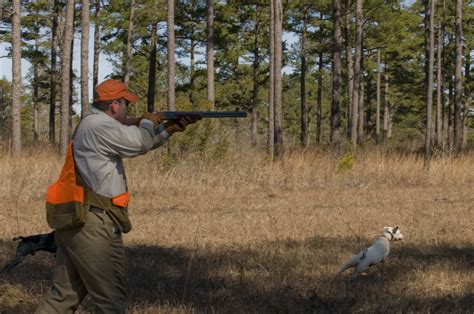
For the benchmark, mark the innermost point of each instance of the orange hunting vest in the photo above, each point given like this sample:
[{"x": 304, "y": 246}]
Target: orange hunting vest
[{"x": 68, "y": 200}]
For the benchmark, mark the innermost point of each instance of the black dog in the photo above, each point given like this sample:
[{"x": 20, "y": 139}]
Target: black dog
[{"x": 30, "y": 245}]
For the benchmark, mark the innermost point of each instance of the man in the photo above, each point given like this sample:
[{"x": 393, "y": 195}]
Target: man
[{"x": 90, "y": 257}]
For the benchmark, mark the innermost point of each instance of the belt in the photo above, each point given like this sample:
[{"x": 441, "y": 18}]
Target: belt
[{"x": 98, "y": 210}]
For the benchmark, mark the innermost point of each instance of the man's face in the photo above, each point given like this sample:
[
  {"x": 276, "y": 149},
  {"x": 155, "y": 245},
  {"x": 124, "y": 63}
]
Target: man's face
[{"x": 119, "y": 108}]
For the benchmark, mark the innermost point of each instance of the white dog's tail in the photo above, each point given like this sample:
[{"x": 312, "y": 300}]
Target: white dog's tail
[{"x": 352, "y": 262}]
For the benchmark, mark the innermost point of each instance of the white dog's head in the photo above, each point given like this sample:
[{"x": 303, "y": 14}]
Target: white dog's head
[{"x": 393, "y": 234}]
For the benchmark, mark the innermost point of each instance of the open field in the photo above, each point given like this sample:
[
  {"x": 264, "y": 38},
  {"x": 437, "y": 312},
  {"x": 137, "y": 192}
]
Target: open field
[{"x": 245, "y": 235}]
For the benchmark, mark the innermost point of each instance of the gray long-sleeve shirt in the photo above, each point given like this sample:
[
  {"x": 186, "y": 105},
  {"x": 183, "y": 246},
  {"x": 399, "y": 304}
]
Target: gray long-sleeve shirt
[{"x": 100, "y": 143}]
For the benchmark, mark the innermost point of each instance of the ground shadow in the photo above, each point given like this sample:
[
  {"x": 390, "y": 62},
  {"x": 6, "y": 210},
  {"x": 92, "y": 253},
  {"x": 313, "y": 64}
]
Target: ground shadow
[{"x": 278, "y": 277}]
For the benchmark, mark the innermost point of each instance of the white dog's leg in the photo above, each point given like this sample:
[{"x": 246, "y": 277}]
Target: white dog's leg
[{"x": 353, "y": 262}]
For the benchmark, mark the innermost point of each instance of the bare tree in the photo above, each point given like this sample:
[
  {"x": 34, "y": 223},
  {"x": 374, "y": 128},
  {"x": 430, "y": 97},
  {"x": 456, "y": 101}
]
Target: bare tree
[
  {"x": 210, "y": 52},
  {"x": 85, "y": 57},
  {"x": 16, "y": 79},
  {"x": 66, "y": 78},
  {"x": 171, "y": 58},
  {"x": 336, "y": 76},
  {"x": 128, "y": 46},
  {"x": 458, "y": 80},
  {"x": 278, "y": 80}
]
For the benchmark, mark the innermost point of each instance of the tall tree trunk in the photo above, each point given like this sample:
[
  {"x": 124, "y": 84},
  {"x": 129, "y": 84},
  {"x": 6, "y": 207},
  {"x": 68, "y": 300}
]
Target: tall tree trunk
[
  {"x": 256, "y": 66},
  {"x": 95, "y": 74},
  {"x": 16, "y": 80},
  {"x": 350, "y": 64},
  {"x": 319, "y": 98},
  {"x": 357, "y": 72},
  {"x": 458, "y": 80},
  {"x": 53, "y": 78},
  {"x": 278, "y": 81},
  {"x": 271, "y": 94},
  {"x": 440, "y": 86},
  {"x": 429, "y": 52},
  {"x": 451, "y": 110},
  {"x": 303, "y": 107},
  {"x": 467, "y": 75},
  {"x": 66, "y": 78},
  {"x": 35, "y": 90},
  {"x": 336, "y": 77},
  {"x": 210, "y": 52},
  {"x": 85, "y": 57},
  {"x": 386, "y": 109},
  {"x": 71, "y": 75},
  {"x": 192, "y": 70},
  {"x": 171, "y": 58},
  {"x": 361, "y": 115},
  {"x": 128, "y": 48},
  {"x": 152, "y": 69},
  {"x": 377, "y": 108}
]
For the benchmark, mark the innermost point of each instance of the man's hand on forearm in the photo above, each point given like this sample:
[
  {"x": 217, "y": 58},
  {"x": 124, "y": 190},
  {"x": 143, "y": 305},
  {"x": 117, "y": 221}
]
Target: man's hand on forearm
[{"x": 174, "y": 126}]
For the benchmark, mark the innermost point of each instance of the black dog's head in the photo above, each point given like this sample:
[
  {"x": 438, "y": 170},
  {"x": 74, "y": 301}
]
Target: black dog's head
[{"x": 30, "y": 245}]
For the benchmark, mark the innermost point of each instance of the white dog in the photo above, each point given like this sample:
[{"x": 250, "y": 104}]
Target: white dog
[{"x": 374, "y": 254}]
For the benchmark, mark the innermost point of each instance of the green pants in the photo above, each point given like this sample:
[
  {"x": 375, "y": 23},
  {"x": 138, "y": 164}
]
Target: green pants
[{"x": 90, "y": 260}]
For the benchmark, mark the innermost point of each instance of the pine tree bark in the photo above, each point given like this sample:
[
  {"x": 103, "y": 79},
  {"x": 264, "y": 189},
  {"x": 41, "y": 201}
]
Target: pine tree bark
[
  {"x": 386, "y": 110},
  {"x": 350, "y": 63},
  {"x": 458, "y": 80},
  {"x": 467, "y": 75},
  {"x": 336, "y": 77},
  {"x": 152, "y": 69},
  {"x": 303, "y": 107},
  {"x": 35, "y": 99},
  {"x": 357, "y": 73},
  {"x": 16, "y": 79},
  {"x": 53, "y": 77},
  {"x": 377, "y": 108},
  {"x": 319, "y": 98},
  {"x": 66, "y": 78},
  {"x": 429, "y": 63},
  {"x": 210, "y": 53},
  {"x": 278, "y": 81},
  {"x": 440, "y": 85},
  {"x": 271, "y": 94},
  {"x": 128, "y": 47},
  {"x": 95, "y": 74},
  {"x": 85, "y": 57},
  {"x": 256, "y": 66},
  {"x": 171, "y": 56}
]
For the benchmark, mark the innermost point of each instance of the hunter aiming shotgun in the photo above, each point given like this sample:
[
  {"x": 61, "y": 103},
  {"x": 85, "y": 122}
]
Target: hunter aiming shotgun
[{"x": 177, "y": 115}]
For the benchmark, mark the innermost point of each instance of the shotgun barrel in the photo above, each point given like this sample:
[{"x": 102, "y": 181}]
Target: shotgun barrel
[{"x": 176, "y": 115}]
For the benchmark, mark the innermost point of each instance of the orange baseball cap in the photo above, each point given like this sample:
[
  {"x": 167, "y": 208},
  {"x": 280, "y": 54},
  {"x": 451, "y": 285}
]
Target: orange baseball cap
[{"x": 112, "y": 90}]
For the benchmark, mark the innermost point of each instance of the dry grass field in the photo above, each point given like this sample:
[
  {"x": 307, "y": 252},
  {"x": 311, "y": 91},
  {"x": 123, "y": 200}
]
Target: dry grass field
[{"x": 241, "y": 234}]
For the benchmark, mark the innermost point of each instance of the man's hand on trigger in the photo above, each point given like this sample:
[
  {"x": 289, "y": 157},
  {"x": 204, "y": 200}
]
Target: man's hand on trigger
[{"x": 153, "y": 118}]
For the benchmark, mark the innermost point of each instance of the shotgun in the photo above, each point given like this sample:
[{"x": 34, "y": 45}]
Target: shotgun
[{"x": 176, "y": 115}]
